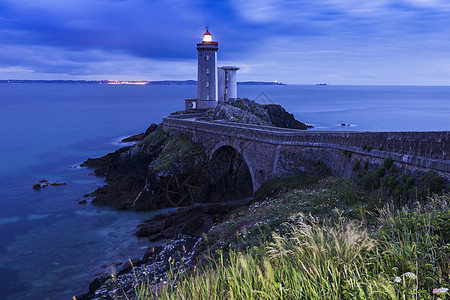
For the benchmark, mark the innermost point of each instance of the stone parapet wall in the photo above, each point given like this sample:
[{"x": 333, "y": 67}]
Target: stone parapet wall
[
  {"x": 432, "y": 144},
  {"x": 266, "y": 148}
]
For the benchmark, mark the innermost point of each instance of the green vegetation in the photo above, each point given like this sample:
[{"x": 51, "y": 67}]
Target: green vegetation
[
  {"x": 388, "y": 163},
  {"x": 175, "y": 149},
  {"x": 385, "y": 236},
  {"x": 402, "y": 187},
  {"x": 153, "y": 138},
  {"x": 356, "y": 165},
  {"x": 347, "y": 153},
  {"x": 274, "y": 186},
  {"x": 368, "y": 148},
  {"x": 312, "y": 258}
]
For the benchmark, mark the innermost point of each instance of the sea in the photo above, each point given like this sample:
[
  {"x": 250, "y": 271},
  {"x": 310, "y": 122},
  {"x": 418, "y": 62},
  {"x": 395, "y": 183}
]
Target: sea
[{"x": 51, "y": 247}]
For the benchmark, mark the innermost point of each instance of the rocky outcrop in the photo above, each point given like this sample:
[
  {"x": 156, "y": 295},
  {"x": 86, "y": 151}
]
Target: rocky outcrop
[
  {"x": 237, "y": 115},
  {"x": 279, "y": 117},
  {"x": 174, "y": 256},
  {"x": 159, "y": 171},
  {"x": 249, "y": 112},
  {"x": 140, "y": 136},
  {"x": 167, "y": 171},
  {"x": 192, "y": 221}
]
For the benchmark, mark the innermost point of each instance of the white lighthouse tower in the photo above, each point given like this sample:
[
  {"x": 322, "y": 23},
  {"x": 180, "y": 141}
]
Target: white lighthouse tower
[
  {"x": 211, "y": 90},
  {"x": 207, "y": 73}
]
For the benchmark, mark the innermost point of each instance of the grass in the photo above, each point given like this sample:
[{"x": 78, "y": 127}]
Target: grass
[
  {"x": 317, "y": 260},
  {"x": 321, "y": 239}
]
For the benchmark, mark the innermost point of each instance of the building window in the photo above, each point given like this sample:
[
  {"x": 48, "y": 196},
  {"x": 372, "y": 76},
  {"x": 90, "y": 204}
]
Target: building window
[
  {"x": 207, "y": 84},
  {"x": 207, "y": 97},
  {"x": 207, "y": 57},
  {"x": 207, "y": 71}
]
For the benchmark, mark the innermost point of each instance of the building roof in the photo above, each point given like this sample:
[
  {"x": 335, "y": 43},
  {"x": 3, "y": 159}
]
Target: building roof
[{"x": 229, "y": 68}]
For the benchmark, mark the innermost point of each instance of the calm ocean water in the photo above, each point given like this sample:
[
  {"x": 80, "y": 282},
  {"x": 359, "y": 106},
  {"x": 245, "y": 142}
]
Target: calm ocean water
[{"x": 50, "y": 246}]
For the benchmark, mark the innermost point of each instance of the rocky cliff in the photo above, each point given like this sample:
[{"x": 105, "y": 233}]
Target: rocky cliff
[{"x": 162, "y": 171}]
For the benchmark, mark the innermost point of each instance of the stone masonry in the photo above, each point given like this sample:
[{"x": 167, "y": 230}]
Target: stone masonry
[{"x": 271, "y": 152}]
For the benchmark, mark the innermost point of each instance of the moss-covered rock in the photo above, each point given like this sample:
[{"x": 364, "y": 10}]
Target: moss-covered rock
[
  {"x": 176, "y": 149},
  {"x": 238, "y": 115},
  {"x": 246, "y": 111}
]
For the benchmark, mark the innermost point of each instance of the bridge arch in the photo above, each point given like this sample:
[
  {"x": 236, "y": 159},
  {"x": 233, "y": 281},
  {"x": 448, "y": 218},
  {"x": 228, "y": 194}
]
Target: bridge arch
[{"x": 230, "y": 173}]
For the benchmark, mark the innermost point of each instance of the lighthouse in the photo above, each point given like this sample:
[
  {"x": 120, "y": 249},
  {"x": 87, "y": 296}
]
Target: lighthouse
[
  {"x": 207, "y": 72},
  {"x": 210, "y": 91}
]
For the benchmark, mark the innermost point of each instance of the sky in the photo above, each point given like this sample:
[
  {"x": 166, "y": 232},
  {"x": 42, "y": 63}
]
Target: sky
[{"x": 403, "y": 42}]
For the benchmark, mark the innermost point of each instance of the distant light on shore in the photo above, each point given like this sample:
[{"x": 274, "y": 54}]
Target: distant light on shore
[{"x": 125, "y": 82}]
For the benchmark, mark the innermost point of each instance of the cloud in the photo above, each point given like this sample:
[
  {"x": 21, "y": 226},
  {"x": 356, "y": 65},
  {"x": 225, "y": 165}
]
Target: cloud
[
  {"x": 33, "y": 62},
  {"x": 433, "y": 4},
  {"x": 16, "y": 70},
  {"x": 294, "y": 41},
  {"x": 146, "y": 28}
]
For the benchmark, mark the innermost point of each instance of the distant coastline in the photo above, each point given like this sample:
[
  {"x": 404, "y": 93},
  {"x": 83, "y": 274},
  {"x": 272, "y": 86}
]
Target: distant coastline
[{"x": 143, "y": 82}]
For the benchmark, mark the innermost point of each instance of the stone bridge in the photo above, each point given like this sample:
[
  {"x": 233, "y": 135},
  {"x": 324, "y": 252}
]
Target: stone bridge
[{"x": 271, "y": 152}]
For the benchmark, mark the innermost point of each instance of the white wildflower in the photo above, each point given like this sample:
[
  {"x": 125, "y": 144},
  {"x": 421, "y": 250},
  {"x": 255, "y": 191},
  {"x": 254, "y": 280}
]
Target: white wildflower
[{"x": 410, "y": 275}]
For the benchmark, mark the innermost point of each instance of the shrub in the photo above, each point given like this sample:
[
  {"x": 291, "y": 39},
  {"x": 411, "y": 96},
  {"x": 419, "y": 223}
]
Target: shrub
[
  {"x": 391, "y": 182},
  {"x": 381, "y": 171},
  {"x": 407, "y": 179},
  {"x": 356, "y": 165},
  {"x": 433, "y": 182},
  {"x": 347, "y": 153},
  {"x": 321, "y": 169},
  {"x": 366, "y": 165},
  {"x": 388, "y": 162},
  {"x": 370, "y": 179}
]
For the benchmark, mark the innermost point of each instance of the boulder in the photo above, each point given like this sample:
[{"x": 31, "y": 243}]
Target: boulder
[
  {"x": 128, "y": 265},
  {"x": 96, "y": 283}
]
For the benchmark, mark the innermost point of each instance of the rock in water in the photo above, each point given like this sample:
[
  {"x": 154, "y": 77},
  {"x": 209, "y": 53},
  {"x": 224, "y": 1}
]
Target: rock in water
[{"x": 43, "y": 183}]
